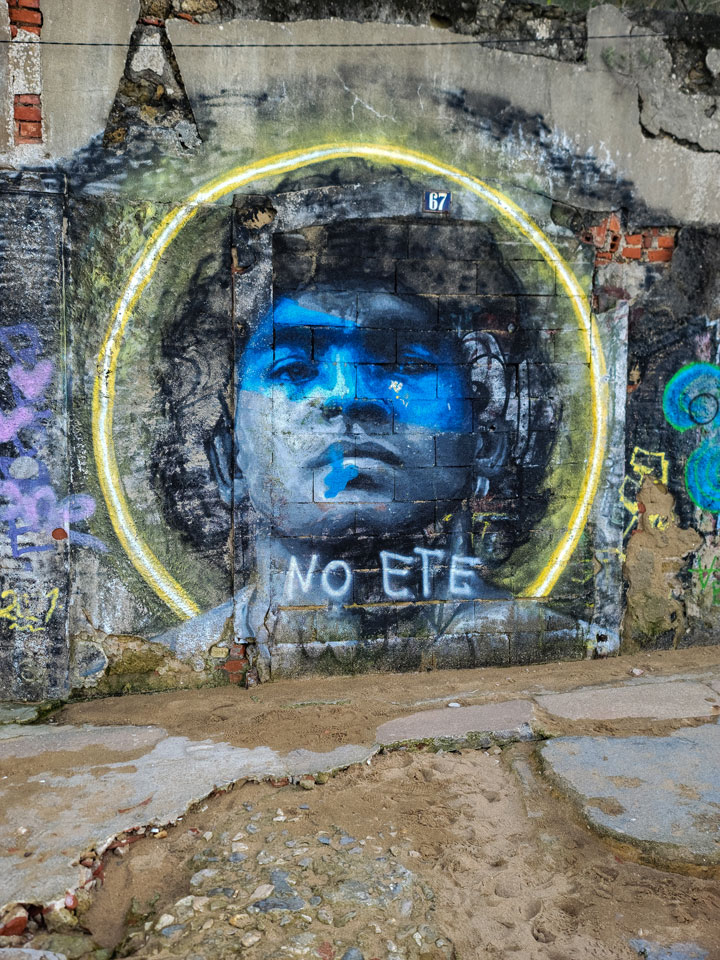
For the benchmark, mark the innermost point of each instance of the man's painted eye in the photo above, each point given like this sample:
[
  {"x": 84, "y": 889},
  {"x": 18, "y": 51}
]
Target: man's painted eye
[
  {"x": 292, "y": 371},
  {"x": 411, "y": 363}
]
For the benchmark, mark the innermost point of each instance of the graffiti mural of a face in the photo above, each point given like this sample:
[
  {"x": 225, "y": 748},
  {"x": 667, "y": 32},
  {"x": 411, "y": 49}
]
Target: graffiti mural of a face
[
  {"x": 384, "y": 445},
  {"x": 332, "y": 413},
  {"x": 368, "y": 419}
]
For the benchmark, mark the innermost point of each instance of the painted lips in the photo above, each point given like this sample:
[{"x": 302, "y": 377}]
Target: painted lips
[{"x": 348, "y": 450}]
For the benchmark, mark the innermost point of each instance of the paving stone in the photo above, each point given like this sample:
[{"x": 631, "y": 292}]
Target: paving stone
[
  {"x": 676, "y": 951},
  {"x": 656, "y": 700},
  {"x": 146, "y": 777},
  {"x": 477, "y": 725},
  {"x": 70, "y": 945},
  {"x": 660, "y": 793},
  {"x": 19, "y": 712},
  {"x": 27, "y": 953}
]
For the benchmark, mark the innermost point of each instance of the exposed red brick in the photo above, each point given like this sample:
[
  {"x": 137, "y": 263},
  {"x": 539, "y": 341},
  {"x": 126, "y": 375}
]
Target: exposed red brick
[
  {"x": 603, "y": 257},
  {"x": 633, "y": 239},
  {"x": 236, "y": 669},
  {"x": 659, "y": 256},
  {"x": 599, "y": 233},
  {"x": 15, "y": 926},
  {"x": 666, "y": 242},
  {"x": 22, "y": 17},
  {"x": 613, "y": 223},
  {"x": 152, "y": 21},
  {"x": 28, "y": 132},
  {"x": 29, "y": 4},
  {"x": 27, "y": 114},
  {"x": 631, "y": 253},
  {"x": 33, "y": 114},
  {"x": 614, "y": 242},
  {"x": 648, "y": 241}
]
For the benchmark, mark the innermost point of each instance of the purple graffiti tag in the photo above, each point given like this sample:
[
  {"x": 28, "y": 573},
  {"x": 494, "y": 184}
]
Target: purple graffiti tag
[
  {"x": 26, "y": 354},
  {"x": 31, "y": 383},
  {"x": 28, "y": 502},
  {"x": 11, "y": 423},
  {"x": 30, "y": 507}
]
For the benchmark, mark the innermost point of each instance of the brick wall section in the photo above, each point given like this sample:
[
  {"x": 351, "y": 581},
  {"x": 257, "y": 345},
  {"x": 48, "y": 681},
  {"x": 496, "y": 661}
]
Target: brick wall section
[
  {"x": 25, "y": 15},
  {"x": 613, "y": 245},
  {"x": 27, "y": 114}
]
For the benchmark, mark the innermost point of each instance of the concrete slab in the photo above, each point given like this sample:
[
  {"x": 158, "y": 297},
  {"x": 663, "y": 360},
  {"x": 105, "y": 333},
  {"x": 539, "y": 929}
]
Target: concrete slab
[
  {"x": 65, "y": 791},
  {"x": 91, "y": 79},
  {"x": 478, "y": 725},
  {"x": 19, "y": 712},
  {"x": 642, "y": 698},
  {"x": 676, "y": 951},
  {"x": 660, "y": 793},
  {"x": 26, "y": 953}
]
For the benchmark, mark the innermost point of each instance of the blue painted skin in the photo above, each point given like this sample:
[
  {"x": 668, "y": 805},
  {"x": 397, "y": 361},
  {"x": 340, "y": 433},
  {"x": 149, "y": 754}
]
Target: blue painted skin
[
  {"x": 427, "y": 386},
  {"x": 340, "y": 474},
  {"x": 692, "y": 399}
]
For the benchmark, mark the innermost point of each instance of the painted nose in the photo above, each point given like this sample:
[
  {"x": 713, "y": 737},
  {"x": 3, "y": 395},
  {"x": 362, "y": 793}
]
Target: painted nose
[
  {"x": 340, "y": 389},
  {"x": 342, "y": 400}
]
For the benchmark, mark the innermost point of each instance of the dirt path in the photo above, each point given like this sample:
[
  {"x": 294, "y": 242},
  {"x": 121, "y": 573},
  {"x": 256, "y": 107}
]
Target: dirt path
[
  {"x": 321, "y": 713},
  {"x": 415, "y": 856},
  {"x": 486, "y": 859}
]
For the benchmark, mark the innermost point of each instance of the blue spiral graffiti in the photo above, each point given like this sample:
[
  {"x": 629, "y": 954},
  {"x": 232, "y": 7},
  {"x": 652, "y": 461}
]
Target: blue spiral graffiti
[{"x": 692, "y": 400}]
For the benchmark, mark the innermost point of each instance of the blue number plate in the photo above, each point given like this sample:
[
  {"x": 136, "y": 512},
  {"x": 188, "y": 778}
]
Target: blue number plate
[{"x": 437, "y": 201}]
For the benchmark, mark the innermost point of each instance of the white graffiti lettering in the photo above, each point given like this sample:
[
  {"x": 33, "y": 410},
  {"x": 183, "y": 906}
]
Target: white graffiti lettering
[
  {"x": 398, "y": 572},
  {"x": 425, "y": 554},
  {"x": 336, "y": 592},
  {"x": 401, "y": 593},
  {"x": 304, "y": 581},
  {"x": 460, "y": 578}
]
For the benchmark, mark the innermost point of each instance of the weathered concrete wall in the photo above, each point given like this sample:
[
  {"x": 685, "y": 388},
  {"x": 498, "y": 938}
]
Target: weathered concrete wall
[{"x": 336, "y": 345}]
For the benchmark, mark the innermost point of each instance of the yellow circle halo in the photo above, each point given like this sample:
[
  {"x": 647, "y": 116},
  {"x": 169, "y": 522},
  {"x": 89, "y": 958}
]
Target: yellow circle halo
[{"x": 140, "y": 555}]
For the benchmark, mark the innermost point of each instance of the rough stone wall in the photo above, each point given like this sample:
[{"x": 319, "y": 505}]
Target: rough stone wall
[{"x": 336, "y": 340}]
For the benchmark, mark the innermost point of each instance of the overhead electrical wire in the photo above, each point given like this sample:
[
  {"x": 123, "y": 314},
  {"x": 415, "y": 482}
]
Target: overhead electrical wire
[{"x": 485, "y": 41}]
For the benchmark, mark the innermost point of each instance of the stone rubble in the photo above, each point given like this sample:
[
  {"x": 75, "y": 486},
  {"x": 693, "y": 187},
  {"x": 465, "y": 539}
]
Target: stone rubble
[{"x": 291, "y": 892}]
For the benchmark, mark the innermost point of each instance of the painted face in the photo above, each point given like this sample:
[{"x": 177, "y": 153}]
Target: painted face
[{"x": 347, "y": 425}]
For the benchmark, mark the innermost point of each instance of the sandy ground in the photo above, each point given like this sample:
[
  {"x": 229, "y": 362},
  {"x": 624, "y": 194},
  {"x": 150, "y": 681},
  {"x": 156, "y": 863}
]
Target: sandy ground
[
  {"x": 514, "y": 871},
  {"x": 320, "y": 713}
]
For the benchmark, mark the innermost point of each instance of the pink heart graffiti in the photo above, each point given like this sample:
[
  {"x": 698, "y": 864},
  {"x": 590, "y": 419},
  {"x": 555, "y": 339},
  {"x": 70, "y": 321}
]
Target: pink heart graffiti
[
  {"x": 11, "y": 422},
  {"x": 33, "y": 382}
]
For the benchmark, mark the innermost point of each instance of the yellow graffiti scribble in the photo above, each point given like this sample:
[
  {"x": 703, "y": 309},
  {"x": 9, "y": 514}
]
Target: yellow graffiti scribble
[
  {"x": 603, "y": 556},
  {"x": 18, "y": 610},
  {"x": 53, "y": 597},
  {"x": 644, "y": 463}
]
